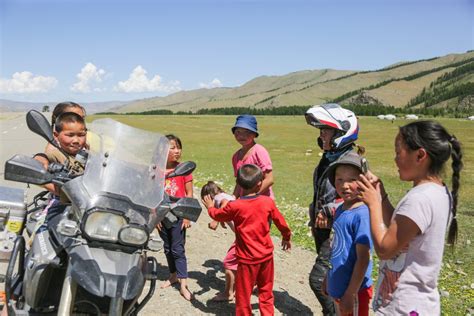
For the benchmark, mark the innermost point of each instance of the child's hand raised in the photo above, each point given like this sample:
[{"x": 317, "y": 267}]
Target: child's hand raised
[
  {"x": 285, "y": 245},
  {"x": 369, "y": 193},
  {"x": 208, "y": 202}
]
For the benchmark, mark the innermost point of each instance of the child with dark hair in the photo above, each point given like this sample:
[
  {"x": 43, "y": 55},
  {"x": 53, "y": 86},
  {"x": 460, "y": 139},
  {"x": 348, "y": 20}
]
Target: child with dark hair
[
  {"x": 230, "y": 263},
  {"x": 251, "y": 214},
  {"x": 410, "y": 238},
  {"x": 65, "y": 107},
  {"x": 174, "y": 234},
  {"x": 70, "y": 134}
]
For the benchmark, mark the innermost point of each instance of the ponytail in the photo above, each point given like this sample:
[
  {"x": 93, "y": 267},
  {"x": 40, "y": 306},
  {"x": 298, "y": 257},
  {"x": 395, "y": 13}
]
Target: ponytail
[{"x": 457, "y": 164}]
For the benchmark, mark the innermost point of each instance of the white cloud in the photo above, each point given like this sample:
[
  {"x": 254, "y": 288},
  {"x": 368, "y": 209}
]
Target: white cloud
[
  {"x": 88, "y": 76},
  {"x": 26, "y": 82},
  {"x": 139, "y": 82},
  {"x": 216, "y": 83}
]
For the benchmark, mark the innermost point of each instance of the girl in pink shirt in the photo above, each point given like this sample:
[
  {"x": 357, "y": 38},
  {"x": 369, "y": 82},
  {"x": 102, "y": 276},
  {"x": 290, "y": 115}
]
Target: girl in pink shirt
[{"x": 245, "y": 131}]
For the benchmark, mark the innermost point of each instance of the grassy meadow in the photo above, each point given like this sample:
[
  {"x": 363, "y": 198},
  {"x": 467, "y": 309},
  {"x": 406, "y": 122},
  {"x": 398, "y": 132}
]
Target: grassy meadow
[{"x": 208, "y": 141}]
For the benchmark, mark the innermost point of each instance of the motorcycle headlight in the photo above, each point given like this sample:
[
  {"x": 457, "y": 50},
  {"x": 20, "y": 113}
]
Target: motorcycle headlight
[
  {"x": 133, "y": 236},
  {"x": 104, "y": 226}
]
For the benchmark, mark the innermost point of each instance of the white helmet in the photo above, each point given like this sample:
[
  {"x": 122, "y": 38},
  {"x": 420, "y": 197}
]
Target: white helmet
[{"x": 332, "y": 115}]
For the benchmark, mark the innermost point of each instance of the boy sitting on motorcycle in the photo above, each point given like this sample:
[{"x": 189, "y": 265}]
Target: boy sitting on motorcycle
[{"x": 70, "y": 134}]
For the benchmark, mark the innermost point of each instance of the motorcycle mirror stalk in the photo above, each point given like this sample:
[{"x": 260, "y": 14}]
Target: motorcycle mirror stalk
[
  {"x": 183, "y": 169},
  {"x": 39, "y": 125}
]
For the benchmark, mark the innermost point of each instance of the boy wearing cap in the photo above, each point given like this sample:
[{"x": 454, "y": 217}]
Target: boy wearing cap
[
  {"x": 348, "y": 281},
  {"x": 245, "y": 131}
]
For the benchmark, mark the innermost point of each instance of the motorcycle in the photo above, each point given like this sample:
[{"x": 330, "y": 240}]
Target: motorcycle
[{"x": 92, "y": 257}]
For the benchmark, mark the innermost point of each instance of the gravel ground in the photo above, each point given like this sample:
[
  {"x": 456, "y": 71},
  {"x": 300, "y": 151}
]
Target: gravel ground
[{"x": 205, "y": 249}]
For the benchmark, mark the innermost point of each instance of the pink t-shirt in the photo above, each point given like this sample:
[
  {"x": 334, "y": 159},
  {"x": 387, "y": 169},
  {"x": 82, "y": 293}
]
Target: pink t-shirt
[{"x": 258, "y": 156}]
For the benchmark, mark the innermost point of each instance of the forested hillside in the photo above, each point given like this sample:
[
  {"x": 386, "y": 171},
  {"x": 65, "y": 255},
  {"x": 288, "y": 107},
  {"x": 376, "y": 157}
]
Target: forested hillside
[{"x": 440, "y": 82}]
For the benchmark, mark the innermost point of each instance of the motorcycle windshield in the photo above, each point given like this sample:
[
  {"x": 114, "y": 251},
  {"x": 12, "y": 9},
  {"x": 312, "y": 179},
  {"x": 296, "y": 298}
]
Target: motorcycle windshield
[{"x": 126, "y": 161}]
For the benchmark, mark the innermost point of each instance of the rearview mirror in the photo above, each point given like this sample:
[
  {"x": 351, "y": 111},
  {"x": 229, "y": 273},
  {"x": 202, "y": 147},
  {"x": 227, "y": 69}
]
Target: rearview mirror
[
  {"x": 183, "y": 169},
  {"x": 38, "y": 124},
  {"x": 187, "y": 208},
  {"x": 21, "y": 168}
]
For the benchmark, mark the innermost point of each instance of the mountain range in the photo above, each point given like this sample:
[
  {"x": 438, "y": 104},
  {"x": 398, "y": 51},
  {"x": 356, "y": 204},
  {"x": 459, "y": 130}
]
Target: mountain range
[
  {"x": 446, "y": 81},
  {"x": 436, "y": 82}
]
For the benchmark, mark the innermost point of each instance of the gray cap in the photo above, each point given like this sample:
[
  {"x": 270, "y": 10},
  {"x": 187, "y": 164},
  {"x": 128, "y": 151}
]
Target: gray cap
[{"x": 351, "y": 158}]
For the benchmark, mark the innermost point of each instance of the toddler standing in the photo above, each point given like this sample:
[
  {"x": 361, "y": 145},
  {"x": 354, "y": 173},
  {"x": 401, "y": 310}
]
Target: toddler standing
[{"x": 220, "y": 199}]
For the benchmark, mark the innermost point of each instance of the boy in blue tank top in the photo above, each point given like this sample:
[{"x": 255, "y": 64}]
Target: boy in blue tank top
[{"x": 348, "y": 281}]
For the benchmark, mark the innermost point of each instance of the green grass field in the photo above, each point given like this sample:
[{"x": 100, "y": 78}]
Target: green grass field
[{"x": 208, "y": 141}]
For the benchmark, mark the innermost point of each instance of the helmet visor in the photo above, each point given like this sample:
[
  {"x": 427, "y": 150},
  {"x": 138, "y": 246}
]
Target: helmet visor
[{"x": 313, "y": 121}]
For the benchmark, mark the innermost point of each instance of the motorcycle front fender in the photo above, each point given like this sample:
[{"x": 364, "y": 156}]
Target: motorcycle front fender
[{"x": 109, "y": 273}]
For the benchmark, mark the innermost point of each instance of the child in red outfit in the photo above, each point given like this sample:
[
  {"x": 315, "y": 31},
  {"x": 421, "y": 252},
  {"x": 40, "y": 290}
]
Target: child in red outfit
[{"x": 251, "y": 214}]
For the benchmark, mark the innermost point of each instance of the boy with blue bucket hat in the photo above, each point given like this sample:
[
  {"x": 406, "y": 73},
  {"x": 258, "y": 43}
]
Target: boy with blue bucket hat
[
  {"x": 246, "y": 121},
  {"x": 245, "y": 131}
]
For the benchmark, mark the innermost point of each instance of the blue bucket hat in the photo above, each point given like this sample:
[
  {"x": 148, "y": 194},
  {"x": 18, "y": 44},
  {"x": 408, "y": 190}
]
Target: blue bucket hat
[{"x": 246, "y": 121}]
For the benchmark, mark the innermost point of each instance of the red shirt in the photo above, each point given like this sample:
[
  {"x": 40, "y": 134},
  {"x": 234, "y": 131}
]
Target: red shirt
[
  {"x": 251, "y": 216},
  {"x": 176, "y": 186}
]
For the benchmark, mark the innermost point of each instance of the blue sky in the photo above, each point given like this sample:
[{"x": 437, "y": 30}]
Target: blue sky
[{"x": 102, "y": 50}]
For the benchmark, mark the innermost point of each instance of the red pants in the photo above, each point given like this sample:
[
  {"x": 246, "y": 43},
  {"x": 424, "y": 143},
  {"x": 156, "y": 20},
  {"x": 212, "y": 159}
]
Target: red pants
[
  {"x": 361, "y": 303},
  {"x": 247, "y": 276}
]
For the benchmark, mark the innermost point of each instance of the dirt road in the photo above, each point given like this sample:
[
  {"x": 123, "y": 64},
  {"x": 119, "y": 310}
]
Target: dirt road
[{"x": 205, "y": 249}]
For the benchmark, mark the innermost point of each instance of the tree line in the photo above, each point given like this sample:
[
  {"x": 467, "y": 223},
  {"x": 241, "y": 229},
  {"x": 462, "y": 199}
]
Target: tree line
[
  {"x": 358, "y": 109},
  {"x": 406, "y": 78}
]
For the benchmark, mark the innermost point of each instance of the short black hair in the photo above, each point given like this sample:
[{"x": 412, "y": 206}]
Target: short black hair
[
  {"x": 63, "y": 107},
  {"x": 176, "y": 139},
  {"x": 211, "y": 188},
  {"x": 67, "y": 117},
  {"x": 248, "y": 176}
]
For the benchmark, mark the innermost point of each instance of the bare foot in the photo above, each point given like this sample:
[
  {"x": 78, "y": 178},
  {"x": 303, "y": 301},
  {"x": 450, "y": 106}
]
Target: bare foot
[
  {"x": 222, "y": 297},
  {"x": 186, "y": 293},
  {"x": 169, "y": 282}
]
